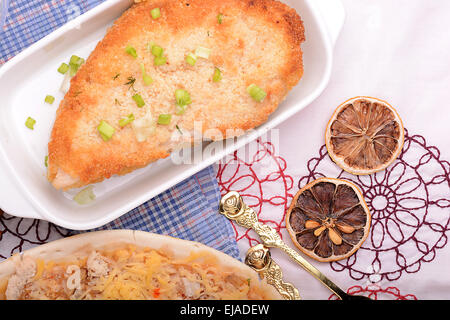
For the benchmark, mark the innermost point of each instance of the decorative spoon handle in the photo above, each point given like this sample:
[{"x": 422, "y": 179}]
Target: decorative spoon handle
[
  {"x": 260, "y": 260},
  {"x": 233, "y": 207}
]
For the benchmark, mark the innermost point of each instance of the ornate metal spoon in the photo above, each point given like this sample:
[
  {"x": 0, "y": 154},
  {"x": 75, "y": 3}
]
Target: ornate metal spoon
[
  {"x": 260, "y": 260},
  {"x": 233, "y": 207}
]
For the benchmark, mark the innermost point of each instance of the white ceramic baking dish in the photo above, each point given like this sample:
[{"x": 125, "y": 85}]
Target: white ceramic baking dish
[{"x": 28, "y": 77}]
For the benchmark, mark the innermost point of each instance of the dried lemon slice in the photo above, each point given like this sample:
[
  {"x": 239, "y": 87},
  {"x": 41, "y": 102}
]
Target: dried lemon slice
[
  {"x": 364, "y": 135},
  {"x": 328, "y": 219}
]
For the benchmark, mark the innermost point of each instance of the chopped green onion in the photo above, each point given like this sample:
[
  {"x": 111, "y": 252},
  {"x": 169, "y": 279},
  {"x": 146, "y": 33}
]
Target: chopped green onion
[
  {"x": 220, "y": 18},
  {"x": 179, "y": 130},
  {"x": 30, "y": 123},
  {"x": 157, "y": 51},
  {"x": 139, "y": 101},
  {"x": 131, "y": 51},
  {"x": 76, "y": 60},
  {"x": 156, "y": 13},
  {"x": 217, "y": 76},
  {"x": 183, "y": 97},
  {"x": 74, "y": 69},
  {"x": 203, "y": 52},
  {"x": 160, "y": 61},
  {"x": 85, "y": 196},
  {"x": 46, "y": 161},
  {"x": 127, "y": 120},
  {"x": 150, "y": 45},
  {"x": 256, "y": 93},
  {"x": 106, "y": 130},
  {"x": 116, "y": 76},
  {"x": 145, "y": 77},
  {"x": 74, "y": 64},
  {"x": 63, "y": 68},
  {"x": 164, "y": 119},
  {"x": 49, "y": 99},
  {"x": 191, "y": 59}
]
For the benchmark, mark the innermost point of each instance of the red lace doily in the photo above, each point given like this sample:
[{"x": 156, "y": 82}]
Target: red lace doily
[
  {"x": 263, "y": 183},
  {"x": 375, "y": 292}
]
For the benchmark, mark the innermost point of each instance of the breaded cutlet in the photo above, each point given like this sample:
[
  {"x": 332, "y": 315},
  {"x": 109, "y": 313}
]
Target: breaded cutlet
[{"x": 250, "y": 42}]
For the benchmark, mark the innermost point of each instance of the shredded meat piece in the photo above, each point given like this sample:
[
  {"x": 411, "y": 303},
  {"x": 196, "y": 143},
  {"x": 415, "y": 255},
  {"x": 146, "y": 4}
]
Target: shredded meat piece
[
  {"x": 97, "y": 265},
  {"x": 191, "y": 288},
  {"x": 25, "y": 271}
]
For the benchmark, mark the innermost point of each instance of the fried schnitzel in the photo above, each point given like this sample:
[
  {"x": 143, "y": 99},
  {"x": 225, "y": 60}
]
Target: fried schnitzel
[{"x": 226, "y": 63}]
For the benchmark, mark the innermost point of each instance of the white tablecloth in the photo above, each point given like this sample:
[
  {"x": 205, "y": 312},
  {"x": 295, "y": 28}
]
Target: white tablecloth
[{"x": 397, "y": 51}]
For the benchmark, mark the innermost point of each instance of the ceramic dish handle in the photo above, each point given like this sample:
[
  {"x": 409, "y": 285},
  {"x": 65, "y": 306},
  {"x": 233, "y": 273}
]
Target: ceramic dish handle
[
  {"x": 11, "y": 199},
  {"x": 333, "y": 14}
]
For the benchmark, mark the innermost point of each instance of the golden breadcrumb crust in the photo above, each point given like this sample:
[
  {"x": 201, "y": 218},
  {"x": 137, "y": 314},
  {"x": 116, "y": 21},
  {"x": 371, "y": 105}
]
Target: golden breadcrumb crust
[{"x": 257, "y": 42}]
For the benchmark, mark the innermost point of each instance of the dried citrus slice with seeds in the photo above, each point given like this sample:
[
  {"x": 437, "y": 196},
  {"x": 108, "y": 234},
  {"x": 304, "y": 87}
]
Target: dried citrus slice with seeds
[
  {"x": 365, "y": 135},
  {"x": 328, "y": 219}
]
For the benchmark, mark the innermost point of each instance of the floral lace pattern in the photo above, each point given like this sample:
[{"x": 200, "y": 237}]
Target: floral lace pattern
[
  {"x": 377, "y": 293},
  {"x": 409, "y": 202},
  {"x": 20, "y": 234},
  {"x": 256, "y": 179}
]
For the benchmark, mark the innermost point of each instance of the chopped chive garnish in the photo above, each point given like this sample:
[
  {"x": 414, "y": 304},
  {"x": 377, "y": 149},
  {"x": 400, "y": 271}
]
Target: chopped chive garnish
[
  {"x": 150, "y": 45},
  {"x": 164, "y": 119},
  {"x": 183, "y": 97},
  {"x": 131, "y": 51},
  {"x": 191, "y": 59},
  {"x": 127, "y": 120},
  {"x": 157, "y": 51},
  {"x": 156, "y": 13},
  {"x": 49, "y": 99},
  {"x": 116, "y": 76},
  {"x": 85, "y": 196},
  {"x": 106, "y": 130},
  {"x": 74, "y": 69},
  {"x": 160, "y": 61},
  {"x": 220, "y": 18},
  {"x": 179, "y": 130},
  {"x": 46, "y": 161},
  {"x": 63, "y": 68},
  {"x": 203, "y": 52},
  {"x": 145, "y": 77},
  {"x": 74, "y": 64},
  {"x": 30, "y": 123},
  {"x": 76, "y": 60},
  {"x": 256, "y": 93},
  {"x": 217, "y": 76},
  {"x": 139, "y": 101}
]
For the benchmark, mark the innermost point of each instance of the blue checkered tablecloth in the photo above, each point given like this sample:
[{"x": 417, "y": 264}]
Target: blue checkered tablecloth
[
  {"x": 190, "y": 209},
  {"x": 187, "y": 211}
]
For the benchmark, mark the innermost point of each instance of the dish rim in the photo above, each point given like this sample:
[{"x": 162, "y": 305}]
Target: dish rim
[{"x": 41, "y": 212}]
